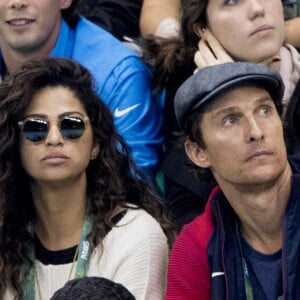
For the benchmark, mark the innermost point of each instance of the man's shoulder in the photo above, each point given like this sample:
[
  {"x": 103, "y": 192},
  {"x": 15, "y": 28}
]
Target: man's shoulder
[
  {"x": 93, "y": 38},
  {"x": 102, "y": 53}
]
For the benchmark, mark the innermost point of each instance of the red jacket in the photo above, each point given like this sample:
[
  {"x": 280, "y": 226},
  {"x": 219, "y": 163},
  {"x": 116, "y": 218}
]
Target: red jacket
[
  {"x": 206, "y": 262},
  {"x": 189, "y": 272}
]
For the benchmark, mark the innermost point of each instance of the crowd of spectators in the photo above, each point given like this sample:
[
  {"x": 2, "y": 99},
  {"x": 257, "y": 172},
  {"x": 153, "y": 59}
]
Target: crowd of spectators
[{"x": 134, "y": 174}]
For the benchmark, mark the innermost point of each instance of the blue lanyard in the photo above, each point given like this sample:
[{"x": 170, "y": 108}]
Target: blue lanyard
[{"x": 28, "y": 272}]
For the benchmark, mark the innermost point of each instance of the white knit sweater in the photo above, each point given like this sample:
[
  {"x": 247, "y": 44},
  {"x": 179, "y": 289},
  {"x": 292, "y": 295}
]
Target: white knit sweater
[{"x": 135, "y": 255}]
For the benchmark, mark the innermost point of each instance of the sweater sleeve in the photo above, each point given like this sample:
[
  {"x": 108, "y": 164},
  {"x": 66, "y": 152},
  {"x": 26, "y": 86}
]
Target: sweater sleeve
[
  {"x": 189, "y": 275},
  {"x": 135, "y": 255},
  {"x": 143, "y": 266}
]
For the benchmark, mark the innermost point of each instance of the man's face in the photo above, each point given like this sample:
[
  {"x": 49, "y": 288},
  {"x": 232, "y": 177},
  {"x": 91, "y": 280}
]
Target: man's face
[
  {"x": 244, "y": 139},
  {"x": 30, "y": 26}
]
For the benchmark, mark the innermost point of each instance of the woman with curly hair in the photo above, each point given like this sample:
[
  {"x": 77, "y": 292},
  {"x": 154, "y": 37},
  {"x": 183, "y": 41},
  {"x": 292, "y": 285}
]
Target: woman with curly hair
[{"x": 72, "y": 203}]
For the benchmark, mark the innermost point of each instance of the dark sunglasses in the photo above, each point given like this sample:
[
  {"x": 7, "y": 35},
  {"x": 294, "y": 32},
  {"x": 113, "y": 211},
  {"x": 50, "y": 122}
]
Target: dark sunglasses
[{"x": 36, "y": 129}]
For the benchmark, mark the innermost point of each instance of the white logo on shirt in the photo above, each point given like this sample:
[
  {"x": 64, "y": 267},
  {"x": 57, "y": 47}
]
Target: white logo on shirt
[
  {"x": 215, "y": 274},
  {"x": 121, "y": 112}
]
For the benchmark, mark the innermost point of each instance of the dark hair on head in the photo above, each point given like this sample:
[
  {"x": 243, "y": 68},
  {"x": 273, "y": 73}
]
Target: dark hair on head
[
  {"x": 113, "y": 181},
  {"x": 92, "y": 288},
  {"x": 193, "y": 15},
  {"x": 176, "y": 54},
  {"x": 192, "y": 131}
]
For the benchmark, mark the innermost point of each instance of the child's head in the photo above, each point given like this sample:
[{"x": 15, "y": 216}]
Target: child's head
[{"x": 92, "y": 288}]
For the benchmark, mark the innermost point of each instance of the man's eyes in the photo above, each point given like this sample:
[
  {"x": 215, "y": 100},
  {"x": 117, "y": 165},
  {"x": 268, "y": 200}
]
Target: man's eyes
[
  {"x": 266, "y": 110},
  {"x": 230, "y": 120}
]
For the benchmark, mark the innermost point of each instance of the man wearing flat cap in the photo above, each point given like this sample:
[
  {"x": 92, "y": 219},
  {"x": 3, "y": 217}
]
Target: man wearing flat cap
[{"x": 246, "y": 245}]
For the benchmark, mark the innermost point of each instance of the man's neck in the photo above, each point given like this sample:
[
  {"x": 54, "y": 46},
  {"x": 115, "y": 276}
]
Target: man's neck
[{"x": 261, "y": 212}]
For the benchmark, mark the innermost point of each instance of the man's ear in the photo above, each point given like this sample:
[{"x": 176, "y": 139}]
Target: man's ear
[
  {"x": 65, "y": 4},
  {"x": 196, "y": 154}
]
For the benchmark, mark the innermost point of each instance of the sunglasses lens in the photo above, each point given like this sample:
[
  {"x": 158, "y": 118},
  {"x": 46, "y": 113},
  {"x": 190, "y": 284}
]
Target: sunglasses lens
[
  {"x": 35, "y": 130},
  {"x": 72, "y": 127}
]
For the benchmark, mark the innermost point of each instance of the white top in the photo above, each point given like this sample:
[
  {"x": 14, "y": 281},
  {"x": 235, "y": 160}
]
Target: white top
[{"x": 135, "y": 254}]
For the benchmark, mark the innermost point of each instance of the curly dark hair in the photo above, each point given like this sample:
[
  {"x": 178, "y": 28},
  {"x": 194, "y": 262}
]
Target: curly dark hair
[
  {"x": 176, "y": 54},
  {"x": 113, "y": 181}
]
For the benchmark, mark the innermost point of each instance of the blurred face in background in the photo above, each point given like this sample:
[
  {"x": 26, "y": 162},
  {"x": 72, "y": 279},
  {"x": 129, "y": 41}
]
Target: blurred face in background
[{"x": 249, "y": 30}]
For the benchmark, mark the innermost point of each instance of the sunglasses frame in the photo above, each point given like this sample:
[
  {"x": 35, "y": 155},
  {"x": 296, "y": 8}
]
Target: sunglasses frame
[{"x": 21, "y": 124}]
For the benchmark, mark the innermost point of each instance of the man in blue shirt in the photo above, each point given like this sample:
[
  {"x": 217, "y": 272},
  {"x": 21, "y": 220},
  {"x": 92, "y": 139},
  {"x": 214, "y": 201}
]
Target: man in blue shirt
[{"x": 31, "y": 28}]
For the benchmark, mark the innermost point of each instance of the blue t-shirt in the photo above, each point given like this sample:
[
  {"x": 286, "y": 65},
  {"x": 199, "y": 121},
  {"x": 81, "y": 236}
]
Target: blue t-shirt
[{"x": 265, "y": 272}]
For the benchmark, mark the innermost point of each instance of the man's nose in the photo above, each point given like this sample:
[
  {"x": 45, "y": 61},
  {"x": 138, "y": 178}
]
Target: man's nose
[{"x": 255, "y": 131}]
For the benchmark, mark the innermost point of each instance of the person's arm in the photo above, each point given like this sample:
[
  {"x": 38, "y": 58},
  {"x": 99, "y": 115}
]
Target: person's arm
[
  {"x": 293, "y": 32},
  {"x": 137, "y": 112},
  {"x": 189, "y": 276},
  {"x": 141, "y": 254},
  {"x": 160, "y": 17}
]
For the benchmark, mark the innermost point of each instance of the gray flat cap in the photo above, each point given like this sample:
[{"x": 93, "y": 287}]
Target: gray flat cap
[{"x": 205, "y": 85}]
